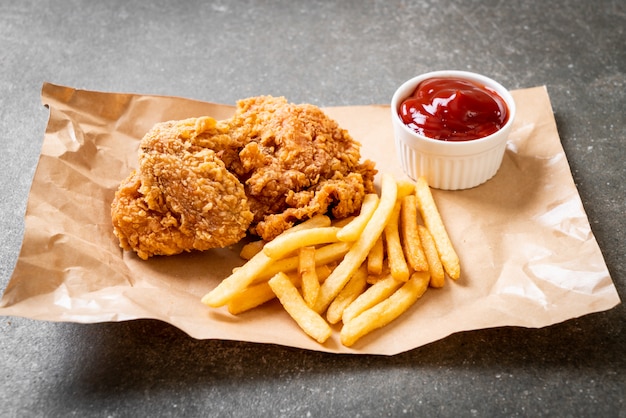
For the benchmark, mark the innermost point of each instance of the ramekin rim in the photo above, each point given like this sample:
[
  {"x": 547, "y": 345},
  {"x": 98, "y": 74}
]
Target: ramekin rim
[{"x": 487, "y": 81}]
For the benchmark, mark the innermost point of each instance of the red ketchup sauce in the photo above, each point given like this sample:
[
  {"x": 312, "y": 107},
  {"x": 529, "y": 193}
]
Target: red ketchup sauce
[{"x": 451, "y": 109}]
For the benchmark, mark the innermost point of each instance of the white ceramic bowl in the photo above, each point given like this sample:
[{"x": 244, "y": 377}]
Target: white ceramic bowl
[{"x": 450, "y": 165}]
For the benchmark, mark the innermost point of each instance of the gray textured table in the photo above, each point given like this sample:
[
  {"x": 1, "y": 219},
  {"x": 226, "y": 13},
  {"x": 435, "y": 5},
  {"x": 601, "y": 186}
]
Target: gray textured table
[{"x": 326, "y": 53}]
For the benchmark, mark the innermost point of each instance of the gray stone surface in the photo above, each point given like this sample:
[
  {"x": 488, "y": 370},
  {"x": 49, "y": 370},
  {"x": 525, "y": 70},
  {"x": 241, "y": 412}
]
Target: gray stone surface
[{"x": 327, "y": 53}]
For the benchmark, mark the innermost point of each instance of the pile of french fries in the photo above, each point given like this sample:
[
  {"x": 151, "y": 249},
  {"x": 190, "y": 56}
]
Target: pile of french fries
[{"x": 362, "y": 272}]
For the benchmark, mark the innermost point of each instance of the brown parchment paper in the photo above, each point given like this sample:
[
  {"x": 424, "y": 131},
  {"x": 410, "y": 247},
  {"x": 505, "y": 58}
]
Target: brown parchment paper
[{"x": 527, "y": 252}]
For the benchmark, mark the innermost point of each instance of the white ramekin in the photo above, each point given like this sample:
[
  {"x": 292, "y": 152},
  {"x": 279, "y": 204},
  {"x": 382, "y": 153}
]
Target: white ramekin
[{"x": 450, "y": 165}]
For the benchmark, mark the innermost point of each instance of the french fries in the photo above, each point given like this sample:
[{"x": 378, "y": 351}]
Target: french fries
[
  {"x": 251, "y": 249},
  {"x": 376, "y": 293},
  {"x": 351, "y": 231},
  {"x": 410, "y": 235},
  {"x": 376, "y": 257},
  {"x": 437, "y": 275},
  {"x": 405, "y": 188},
  {"x": 351, "y": 291},
  {"x": 310, "y": 281},
  {"x": 288, "y": 243},
  {"x": 395, "y": 252},
  {"x": 260, "y": 293},
  {"x": 323, "y": 255},
  {"x": 386, "y": 311},
  {"x": 245, "y": 275},
  {"x": 432, "y": 220},
  {"x": 361, "y": 247},
  {"x": 237, "y": 281},
  {"x": 250, "y": 298},
  {"x": 309, "y": 320},
  {"x": 362, "y": 272}
]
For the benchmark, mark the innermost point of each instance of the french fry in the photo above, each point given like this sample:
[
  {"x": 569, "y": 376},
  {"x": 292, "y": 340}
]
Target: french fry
[
  {"x": 316, "y": 221},
  {"x": 386, "y": 311},
  {"x": 251, "y": 249},
  {"x": 365, "y": 270},
  {"x": 310, "y": 321},
  {"x": 432, "y": 220},
  {"x": 395, "y": 253},
  {"x": 410, "y": 236},
  {"x": 351, "y": 231},
  {"x": 374, "y": 294},
  {"x": 323, "y": 255},
  {"x": 405, "y": 188},
  {"x": 340, "y": 223},
  {"x": 250, "y": 298},
  {"x": 308, "y": 275},
  {"x": 237, "y": 281},
  {"x": 292, "y": 241},
  {"x": 246, "y": 274},
  {"x": 324, "y": 271},
  {"x": 260, "y": 293},
  {"x": 373, "y": 279},
  {"x": 355, "y": 286},
  {"x": 330, "y": 253},
  {"x": 376, "y": 257},
  {"x": 437, "y": 275},
  {"x": 361, "y": 247}
]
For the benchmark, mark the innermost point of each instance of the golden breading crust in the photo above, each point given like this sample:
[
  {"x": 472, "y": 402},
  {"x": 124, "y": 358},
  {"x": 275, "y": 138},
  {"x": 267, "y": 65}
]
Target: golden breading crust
[
  {"x": 182, "y": 197},
  {"x": 297, "y": 162},
  {"x": 203, "y": 183}
]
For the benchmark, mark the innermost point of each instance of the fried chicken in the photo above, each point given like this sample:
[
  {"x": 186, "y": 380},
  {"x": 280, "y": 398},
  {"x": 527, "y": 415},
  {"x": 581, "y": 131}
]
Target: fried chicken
[
  {"x": 182, "y": 197},
  {"x": 203, "y": 183},
  {"x": 297, "y": 162}
]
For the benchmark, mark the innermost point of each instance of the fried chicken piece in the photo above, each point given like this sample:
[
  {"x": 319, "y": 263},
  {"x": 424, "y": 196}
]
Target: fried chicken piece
[
  {"x": 192, "y": 135},
  {"x": 296, "y": 163},
  {"x": 203, "y": 183},
  {"x": 182, "y": 197}
]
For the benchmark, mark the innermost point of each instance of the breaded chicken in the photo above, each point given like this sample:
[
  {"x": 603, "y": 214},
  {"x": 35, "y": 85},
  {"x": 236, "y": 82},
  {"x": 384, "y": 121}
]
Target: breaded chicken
[
  {"x": 182, "y": 197},
  {"x": 296, "y": 163},
  {"x": 203, "y": 183}
]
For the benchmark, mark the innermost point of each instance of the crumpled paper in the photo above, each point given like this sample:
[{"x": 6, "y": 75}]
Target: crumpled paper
[{"x": 528, "y": 255}]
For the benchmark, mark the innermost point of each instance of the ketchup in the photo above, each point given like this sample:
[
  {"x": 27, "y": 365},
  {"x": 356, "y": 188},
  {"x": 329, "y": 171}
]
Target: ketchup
[{"x": 453, "y": 109}]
